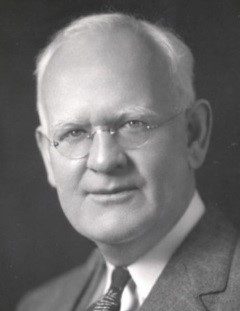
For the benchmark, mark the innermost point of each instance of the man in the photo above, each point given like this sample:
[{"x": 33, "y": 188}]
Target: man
[{"x": 121, "y": 134}]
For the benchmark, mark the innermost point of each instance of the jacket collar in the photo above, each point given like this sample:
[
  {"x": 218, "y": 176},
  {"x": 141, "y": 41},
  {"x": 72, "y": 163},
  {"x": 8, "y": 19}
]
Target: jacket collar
[
  {"x": 199, "y": 268},
  {"x": 194, "y": 277}
]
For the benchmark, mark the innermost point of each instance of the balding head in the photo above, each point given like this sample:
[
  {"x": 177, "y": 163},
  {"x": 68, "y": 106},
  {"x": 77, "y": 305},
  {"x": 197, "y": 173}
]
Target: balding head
[{"x": 95, "y": 39}]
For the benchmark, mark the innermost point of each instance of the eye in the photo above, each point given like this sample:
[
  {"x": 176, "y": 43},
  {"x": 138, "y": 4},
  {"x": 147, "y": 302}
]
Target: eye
[
  {"x": 76, "y": 133},
  {"x": 133, "y": 127},
  {"x": 135, "y": 124},
  {"x": 73, "y": 134}
]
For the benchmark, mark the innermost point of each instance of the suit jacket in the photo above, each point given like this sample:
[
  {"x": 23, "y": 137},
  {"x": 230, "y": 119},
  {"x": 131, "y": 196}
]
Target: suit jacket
[{"x": 203, "y": 274}]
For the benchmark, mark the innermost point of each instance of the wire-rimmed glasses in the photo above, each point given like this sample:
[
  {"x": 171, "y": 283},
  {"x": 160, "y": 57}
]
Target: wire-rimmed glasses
[{"x": 76, "y": 144}]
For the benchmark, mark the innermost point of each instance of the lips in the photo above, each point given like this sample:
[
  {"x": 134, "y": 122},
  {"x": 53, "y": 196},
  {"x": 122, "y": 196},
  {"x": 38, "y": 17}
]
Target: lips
[
  {"x": 109, "y": 193},
  {"x": 112, "y": 190},
  {"x": 117, "y": 196}
]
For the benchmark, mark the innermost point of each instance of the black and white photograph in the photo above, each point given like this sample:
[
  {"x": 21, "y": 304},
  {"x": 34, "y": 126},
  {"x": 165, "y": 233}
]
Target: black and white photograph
[{"x": 120, "y": 155}]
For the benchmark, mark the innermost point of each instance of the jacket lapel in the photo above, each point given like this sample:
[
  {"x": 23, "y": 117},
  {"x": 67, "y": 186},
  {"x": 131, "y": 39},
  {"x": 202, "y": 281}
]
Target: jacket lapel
[
  {"x": 198, "y": 271},
  {"x": 96, "y": 268}
]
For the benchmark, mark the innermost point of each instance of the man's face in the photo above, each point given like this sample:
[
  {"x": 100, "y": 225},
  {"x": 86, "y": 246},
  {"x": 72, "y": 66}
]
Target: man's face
[{"x": 115, "y": 195}]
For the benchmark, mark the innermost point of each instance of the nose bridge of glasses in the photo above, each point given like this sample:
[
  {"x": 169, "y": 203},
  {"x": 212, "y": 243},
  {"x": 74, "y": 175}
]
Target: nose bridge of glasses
[
  {"x": 103, "y": 129},
  {"x": 104, "y": 150},
  {"x": 102, "y": 139}
]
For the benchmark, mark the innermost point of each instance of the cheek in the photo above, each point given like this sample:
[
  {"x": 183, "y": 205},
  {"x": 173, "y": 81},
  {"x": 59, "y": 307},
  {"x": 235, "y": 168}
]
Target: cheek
[
  {"x": 67, "y": 174},
  {"x": 164, "y": 167}
]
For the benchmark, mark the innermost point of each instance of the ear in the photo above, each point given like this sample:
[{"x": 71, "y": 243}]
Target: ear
[
  {"x": 43, "y": 146},
  {"x": 199, "y": 125}
]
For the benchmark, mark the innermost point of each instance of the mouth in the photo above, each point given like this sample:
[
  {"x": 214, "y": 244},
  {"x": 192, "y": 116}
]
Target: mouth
[
  {"x": 112, "y": 191},
  {"x": 113, "y": 196}
]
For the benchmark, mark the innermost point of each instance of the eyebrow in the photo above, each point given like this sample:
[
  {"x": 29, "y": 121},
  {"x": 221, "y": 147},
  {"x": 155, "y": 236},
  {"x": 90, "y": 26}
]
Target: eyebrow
[{"x": 137, "y": 111}]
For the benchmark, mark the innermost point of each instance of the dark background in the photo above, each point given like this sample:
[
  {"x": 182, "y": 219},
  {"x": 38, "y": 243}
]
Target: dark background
[{"x": 36, "y": 241}]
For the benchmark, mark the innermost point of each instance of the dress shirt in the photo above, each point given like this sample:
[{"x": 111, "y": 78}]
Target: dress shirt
[{"x": 147, "y": 269}]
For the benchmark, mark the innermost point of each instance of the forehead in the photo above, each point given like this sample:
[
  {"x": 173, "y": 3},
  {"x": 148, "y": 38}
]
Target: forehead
[{"x": 95, "y": 74}]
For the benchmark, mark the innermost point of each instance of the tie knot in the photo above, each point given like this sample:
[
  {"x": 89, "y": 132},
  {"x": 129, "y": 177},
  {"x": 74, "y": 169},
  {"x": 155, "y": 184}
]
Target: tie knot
[
  {"x": 120, "y": 277},
  {"x": 111, "y": 301}
]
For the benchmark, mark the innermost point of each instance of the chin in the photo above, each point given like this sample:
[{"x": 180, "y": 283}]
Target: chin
[
  {"x": 108, "y": 234},
  {"x": 117, "y": 234},
  {"x": 114, "y": 224}
]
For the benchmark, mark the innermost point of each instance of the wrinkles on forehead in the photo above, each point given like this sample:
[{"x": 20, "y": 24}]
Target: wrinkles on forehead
[{"x": 97, "y": 58}]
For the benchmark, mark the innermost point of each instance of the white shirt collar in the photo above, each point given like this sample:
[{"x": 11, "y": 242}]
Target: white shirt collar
[{"x": 146, "y": 270}]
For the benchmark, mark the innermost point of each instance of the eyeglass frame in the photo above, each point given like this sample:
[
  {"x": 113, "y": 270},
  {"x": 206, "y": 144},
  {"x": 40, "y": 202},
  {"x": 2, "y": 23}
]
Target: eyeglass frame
[{"x": 111, "y": 131}]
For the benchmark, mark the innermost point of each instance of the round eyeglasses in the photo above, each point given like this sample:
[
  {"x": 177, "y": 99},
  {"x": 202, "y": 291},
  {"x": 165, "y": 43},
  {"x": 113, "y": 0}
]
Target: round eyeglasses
[{"x": 76, "y": 144}]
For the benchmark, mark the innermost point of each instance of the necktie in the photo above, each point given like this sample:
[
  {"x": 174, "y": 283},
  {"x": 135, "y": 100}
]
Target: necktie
[{"x": 111, "y": 301}]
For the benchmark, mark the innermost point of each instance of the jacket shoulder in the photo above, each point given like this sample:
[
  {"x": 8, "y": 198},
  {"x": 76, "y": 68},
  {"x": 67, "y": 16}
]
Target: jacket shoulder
[
  {"x": 228, "y": 298},
  {"x": 61, "y": 292},
  {"x": 234, "y": 274}
]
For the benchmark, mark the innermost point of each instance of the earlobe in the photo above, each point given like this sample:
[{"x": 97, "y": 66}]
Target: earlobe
[
  {"x": 43, "y": 146},
  {"x": 199, "y": 125}
]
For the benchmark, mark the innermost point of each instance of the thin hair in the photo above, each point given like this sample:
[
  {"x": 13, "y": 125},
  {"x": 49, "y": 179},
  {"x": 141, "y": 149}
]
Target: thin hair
[{"x": 178, "y": 55}]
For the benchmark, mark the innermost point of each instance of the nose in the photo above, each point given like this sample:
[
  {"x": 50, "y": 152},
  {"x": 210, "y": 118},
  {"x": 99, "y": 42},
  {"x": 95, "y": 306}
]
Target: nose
[{"x": 105, "y": 154}]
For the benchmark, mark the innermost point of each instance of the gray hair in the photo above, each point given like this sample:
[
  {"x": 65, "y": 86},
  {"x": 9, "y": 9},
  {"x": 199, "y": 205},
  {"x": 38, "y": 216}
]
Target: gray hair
[{"x": 178, "y": 55}]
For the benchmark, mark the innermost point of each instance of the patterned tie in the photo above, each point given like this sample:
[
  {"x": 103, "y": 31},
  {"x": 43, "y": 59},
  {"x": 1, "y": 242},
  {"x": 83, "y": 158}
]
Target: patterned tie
[{"x": 111, "y": 301}]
